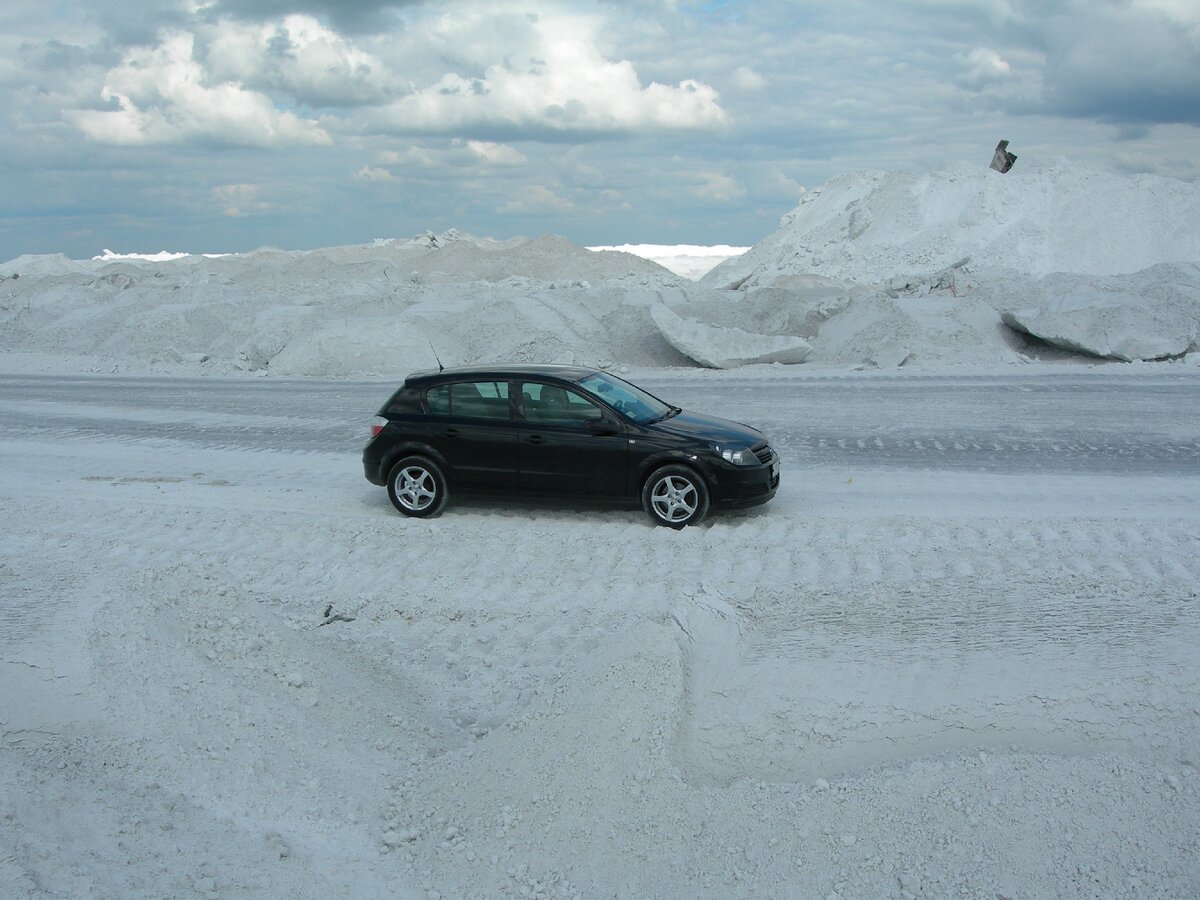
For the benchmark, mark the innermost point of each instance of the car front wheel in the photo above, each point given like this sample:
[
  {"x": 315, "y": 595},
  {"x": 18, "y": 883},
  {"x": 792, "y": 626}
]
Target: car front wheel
[
  {"x": 675, "y": 496},
  {"x": 417, "y": 487}
]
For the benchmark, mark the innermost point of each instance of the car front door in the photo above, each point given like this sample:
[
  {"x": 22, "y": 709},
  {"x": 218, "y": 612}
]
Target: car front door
[
  {"x": 569, "y": 445},
  {"x": 472, "y": 426}
]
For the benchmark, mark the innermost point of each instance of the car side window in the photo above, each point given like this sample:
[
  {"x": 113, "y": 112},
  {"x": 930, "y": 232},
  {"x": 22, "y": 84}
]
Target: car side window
[
  {"x": 438, "y": 400},
  {"x": 551, "y": 404},
  {"x": 474, "y": 399}
]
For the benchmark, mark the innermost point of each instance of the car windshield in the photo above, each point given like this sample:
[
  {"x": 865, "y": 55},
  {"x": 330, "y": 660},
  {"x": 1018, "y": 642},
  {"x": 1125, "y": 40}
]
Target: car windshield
[{"x": 626, "y": 398}]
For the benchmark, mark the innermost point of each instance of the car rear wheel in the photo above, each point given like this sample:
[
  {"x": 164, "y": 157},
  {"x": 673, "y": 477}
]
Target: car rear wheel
[
  {"x": 417, "y": 487},
  {"x": 675, "y": 496}
]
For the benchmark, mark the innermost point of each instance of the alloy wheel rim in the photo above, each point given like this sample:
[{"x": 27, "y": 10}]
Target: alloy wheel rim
[
  {"x": 415, "y": 488},
  {"x": 674, "y": 498}
]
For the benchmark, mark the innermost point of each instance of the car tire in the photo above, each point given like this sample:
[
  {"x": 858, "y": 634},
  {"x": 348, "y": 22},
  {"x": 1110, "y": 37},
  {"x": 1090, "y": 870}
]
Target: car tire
[
  {"x": 675, "y": 496},
  {"x": 417, "y": 487}
]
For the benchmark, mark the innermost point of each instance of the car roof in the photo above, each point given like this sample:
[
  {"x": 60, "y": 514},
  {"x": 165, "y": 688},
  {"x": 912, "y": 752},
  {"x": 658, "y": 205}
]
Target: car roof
[{"x": 503, "y": 370}]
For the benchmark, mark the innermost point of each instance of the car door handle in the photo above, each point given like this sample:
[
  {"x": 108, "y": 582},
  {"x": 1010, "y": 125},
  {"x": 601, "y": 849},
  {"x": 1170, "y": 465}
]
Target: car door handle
[
  {"x": 536, "y": 439},
  {"x": 451, "y": 432}
]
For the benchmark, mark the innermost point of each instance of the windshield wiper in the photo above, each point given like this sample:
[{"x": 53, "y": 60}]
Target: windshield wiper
[{"x": 671, "y": 411}]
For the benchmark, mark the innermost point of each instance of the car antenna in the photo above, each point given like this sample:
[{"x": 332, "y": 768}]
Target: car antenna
[{"x": 441, "y": 368}]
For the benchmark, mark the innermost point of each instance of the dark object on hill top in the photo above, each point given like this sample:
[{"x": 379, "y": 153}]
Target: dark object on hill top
[{"x": 1002, "y": 160}]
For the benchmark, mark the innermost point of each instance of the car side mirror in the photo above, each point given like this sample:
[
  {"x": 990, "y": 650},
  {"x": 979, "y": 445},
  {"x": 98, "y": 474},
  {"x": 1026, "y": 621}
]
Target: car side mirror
[{"x": 600, "y": 425}]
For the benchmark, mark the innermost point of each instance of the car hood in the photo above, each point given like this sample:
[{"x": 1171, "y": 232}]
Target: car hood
[{"x": 709, "y": 428}]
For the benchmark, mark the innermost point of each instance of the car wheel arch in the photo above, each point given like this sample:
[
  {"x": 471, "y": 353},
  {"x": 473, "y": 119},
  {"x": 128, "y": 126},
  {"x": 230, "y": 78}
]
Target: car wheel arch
[
  {"x": 651, "y": 465},
  {"x": 416, "y": 448}
]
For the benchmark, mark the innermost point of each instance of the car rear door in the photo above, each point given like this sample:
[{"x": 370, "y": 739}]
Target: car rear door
[{"x": 473, "y": 426}]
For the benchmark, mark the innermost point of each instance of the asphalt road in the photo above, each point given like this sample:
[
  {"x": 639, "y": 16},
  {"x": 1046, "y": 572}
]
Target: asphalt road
[{"x": 1097, "y": 423}]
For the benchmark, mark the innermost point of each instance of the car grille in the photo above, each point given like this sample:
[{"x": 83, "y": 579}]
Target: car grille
[{"x": 763, "y": 453}]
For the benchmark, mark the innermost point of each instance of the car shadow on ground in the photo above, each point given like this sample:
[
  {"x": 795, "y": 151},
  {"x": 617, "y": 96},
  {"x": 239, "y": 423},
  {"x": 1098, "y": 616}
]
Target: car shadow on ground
[{"x": 572, "y": 510}]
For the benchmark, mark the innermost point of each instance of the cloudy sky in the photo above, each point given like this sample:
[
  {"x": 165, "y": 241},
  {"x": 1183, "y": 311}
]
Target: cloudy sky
[{"x": 225, "y": 125}]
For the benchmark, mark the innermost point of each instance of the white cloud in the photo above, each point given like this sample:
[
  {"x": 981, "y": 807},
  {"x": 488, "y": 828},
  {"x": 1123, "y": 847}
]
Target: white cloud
[
  {"x": 982, "y": 66},
  {"x": 1125, "y": 63},
  {"x": 409, "y": 156},
  {"x": 748, "y": 80},
  {"x": 163, "y": 97},
  {"x": 457, "y": 153},
  {"x": 239, "y": 200},
  {"x": 783, "y": 184},
  {"x": 496, "y": 154},
  {"x": 1184, "y": 12},
  {"x": 374, "y": 174},
  {"x": 537, "y": 197},
  {"x": 531, "y": 87},
  {"x": 300, "y": 56},
  {"x": 716, "y": 186},
  {"x": 542, "y": 73},
  {"x": 615, "y": 198}
]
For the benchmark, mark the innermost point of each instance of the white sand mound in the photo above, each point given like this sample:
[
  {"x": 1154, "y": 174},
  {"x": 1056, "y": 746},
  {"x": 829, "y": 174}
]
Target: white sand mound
[
  {"x": 829, "y": 322},
  {"x": 34, "y": 265},
  {"x": 723, "y": 346},
  {"x": 1064, "y": 252},
  {"x": 452, "y": 256},
  {"x": 872, "y": 269},
  {"x": 876, "y": 331},
  {"x": 1150, "y": 315},
  {"x": 460, "y": 258},
  {"x": 1036, "y": 220},
  {"x": 377, "y": 308}
]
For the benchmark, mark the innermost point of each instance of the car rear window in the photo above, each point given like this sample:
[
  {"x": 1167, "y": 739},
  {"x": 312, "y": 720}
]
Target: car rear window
[{"x": 472, "y": 399}]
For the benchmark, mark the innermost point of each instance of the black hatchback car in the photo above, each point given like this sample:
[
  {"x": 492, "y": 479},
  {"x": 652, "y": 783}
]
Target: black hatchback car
[{"x": 564, "y": 432}]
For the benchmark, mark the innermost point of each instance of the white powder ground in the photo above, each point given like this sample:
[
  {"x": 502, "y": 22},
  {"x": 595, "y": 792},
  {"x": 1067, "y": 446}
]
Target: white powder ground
[{"x": 916, "y": 679}]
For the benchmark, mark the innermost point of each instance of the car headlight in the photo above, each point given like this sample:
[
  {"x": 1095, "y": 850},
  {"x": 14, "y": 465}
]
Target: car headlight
[{"x": 737, "y": 457}]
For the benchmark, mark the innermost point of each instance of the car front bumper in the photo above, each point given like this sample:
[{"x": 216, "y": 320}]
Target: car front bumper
[{"x": 734, "y": 487}]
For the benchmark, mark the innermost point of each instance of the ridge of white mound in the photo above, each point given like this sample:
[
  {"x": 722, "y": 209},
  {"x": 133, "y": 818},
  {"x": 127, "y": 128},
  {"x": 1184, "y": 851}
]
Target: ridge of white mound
[
  {"x": 449, "y": 257},
  {"x": 341, "y": 311},
  {"x": 726, "y": 346},
  {"x": 1035, "y": 220},
  {"x": 1150, "y": 315},
  {"x": 35, "y": 265},
  {"x": 838, "y": 323}
]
